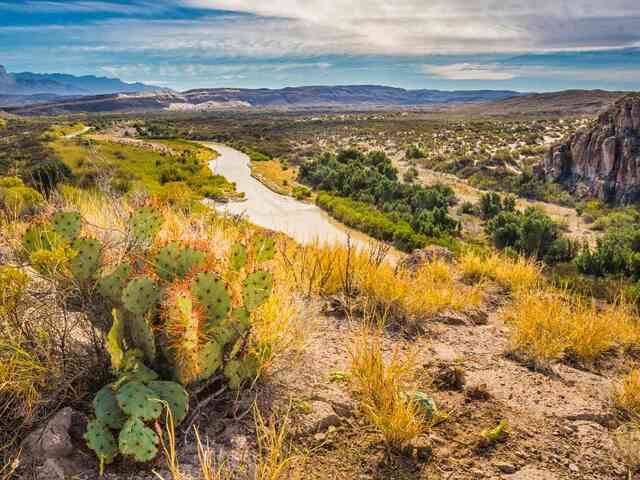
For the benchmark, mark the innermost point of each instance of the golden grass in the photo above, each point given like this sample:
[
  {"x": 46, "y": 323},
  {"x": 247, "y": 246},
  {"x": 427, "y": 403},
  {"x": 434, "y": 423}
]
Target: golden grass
[
  {"x": 626, "y": 395},
  {"x": 272, "y": 174},
  {"x": 514, "y": 274},
  {"x": 210, "y": 468},
  {"x": 547, "y": 324},
  {"x": 381, "y": 387},
  {"x": 275, "y": 458},
  {"x": 278, "y": 327}
]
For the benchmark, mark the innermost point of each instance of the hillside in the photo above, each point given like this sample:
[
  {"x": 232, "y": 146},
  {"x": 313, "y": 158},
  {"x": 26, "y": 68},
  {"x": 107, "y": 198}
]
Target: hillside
[
  {"x": 359, "y": 96},
  {"x": 568, "y": 102}
]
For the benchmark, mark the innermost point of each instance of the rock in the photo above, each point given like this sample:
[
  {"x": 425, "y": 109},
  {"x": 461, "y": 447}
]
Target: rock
[
  {"x": 605, "y": 157},
  {"x": 426, "y": 255},
  {"x": 320, "y": 417},
  {"x": 449, "y": 377},
  {"x": 63, "y": 468},
  {"x": 505, "y": 467},
  {"x": 53, "y": 440}
]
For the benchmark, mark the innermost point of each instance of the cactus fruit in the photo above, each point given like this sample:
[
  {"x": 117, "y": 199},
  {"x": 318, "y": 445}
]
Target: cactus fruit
[
  {"x": 100, "y": 439},
  {"x": 145, "y": 224},
  {"x": 111, "y": 286},
  {"x": 138, "y": 441},
  {"x": 238, "y": 257},
  {"x": 140, "y": 295},
  {"x": 137, "y": 400},
  {"x": 175, "y": 396},
  {"x": 87, "y": 260},
  {"x": 211, "y": 293},
  {"x": 141, "y": 335},
  {"x": 264, "y": 248},
  {"x": 106, "y": 408},
  {"x": 67, "y": 225},
  {"x": 257, "y": 288}
]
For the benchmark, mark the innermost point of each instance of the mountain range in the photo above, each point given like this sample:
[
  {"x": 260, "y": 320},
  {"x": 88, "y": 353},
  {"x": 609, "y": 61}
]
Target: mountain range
[{"x": 58, "y": 84}]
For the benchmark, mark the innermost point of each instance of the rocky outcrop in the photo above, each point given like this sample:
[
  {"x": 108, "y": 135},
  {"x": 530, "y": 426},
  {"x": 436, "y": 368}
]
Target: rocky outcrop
[{"x": 605, "y": 157}]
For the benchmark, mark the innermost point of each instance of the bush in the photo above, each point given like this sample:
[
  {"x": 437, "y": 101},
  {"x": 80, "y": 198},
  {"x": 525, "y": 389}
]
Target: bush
[
  {"x": 618, "y": 252},
  {"x": 16, "y": 199}
]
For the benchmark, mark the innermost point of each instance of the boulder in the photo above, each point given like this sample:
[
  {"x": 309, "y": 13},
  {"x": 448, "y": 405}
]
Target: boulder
[
  {"x": 319, "y": 418},
  {"x": 53, "y": 439},
  {"x": 426, "y": 255},
  {"x": 605, "y": 157}
]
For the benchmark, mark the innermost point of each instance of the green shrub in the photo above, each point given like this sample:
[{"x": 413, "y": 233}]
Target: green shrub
[
  {"x": 618, "y": 252},
  {"x": 16, "y": 199}
]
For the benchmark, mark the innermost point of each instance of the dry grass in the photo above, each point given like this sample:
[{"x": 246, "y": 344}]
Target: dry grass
[
  {"x": 278, "y": 327},
  {"x": 275, "y": 459},
  {"x": 546, "y": 324},
  {"x": 210, "y": 468},
  {"x": 626, "y": 395},
  {"x": 381, "y": 386},
  {"x": 520, "y": 274}
]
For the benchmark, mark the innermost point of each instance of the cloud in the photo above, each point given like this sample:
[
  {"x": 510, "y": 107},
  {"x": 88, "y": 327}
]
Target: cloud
[{"x": 469, "y": 71}]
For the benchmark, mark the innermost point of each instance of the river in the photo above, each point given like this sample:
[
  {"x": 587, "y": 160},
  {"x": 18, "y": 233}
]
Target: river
[{"x": 302, "y": 221}]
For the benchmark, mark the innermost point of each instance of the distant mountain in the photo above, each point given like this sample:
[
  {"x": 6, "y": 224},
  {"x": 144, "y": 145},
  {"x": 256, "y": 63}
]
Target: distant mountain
[
  {"x": 27, "y": 83},
  {"x": 567, "y": 102},
  {"x": 354, "y": 96}
]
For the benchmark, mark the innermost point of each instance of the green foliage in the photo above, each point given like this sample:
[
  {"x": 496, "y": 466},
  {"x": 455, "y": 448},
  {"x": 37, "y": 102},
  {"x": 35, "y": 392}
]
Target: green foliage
[
  {"x": 238, "y": 257},
  {"x": 530, "y": 233},
  {"x": 67, "y": 224},
  {"x": 211, "y": 292},
  {"x": 407, "y": 213},
  {"x": 140, "y": 295},
  {"x": 617, "y": 252},
  {"x": 100, "y": 439},
  {"x": 492, "y": 203},
  {"x": 257, "y": 289},
  {"x": 138, "y": 441},
  {"x": 111, "y": 285},
  {"x": 415, "y": 152},
  {"x": 17, "y": 199},
  {"x": 174, "y": 260},
  {"x": 106, "y": 408},
  {"x": 85, "y": 264}
]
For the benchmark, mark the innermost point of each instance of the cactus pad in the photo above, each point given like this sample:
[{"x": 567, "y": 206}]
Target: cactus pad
[
  {"x": 238, "y": 257},
  {"x": 100, "y": 439},
  {"x": 138, "y": 441},
  {"x": 87, "y": 261},
  {"x": 67, "y": 225},
  {"x": 39, "y": 237},
  {"x": 264, "y": 248},
  {"x": 172, "y": 261},
  {"x": 242, "y": 370},
  {"x": 233, "y": 327},
  {"x": 140, "y": 295},
  {"x": 210, "y": 360},
  {"x": 188, "y": 259},
  {"x": 145, "y": 224},
  {"x": 111, "y": 286},
  {"x": 257, "y": 288},
  {"x": 141, "y": 335},
  {"x": 175, "y": 396},
  {"x": 137, "y": 400},
  {"x": 106, "y": 408},
  {"x": 211, "y": 293}
]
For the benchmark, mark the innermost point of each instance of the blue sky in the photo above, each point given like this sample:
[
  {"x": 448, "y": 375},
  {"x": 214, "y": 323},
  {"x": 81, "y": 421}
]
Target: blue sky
[{"x": 526, "y": 45}]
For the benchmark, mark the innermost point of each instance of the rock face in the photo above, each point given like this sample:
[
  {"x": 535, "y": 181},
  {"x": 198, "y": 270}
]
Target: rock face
[{"x": 605, "y": 157}]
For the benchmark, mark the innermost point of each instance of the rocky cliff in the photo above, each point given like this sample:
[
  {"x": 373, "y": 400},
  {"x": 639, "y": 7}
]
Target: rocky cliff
[{"x": 604, "y": 157}]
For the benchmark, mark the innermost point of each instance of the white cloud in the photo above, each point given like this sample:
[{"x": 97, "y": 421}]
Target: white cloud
[{"x": 469, "y": 71}]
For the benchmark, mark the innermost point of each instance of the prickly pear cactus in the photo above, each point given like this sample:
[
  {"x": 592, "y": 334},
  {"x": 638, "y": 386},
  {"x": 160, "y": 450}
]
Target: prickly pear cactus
[
  {"x": 264, "y": 248},
  {"x": 176, "y": 397},
  {"x": 173, "y": 261},
  {"x": 106, "y": 408},
  {"x": 138, "y": 441},
  {"x": 210, "y": 360},
  {"x": 141, "y": 335},
  {"x": 240, "y": 371},
  {"x": 238, "y": 257},
  {"x": 140, "y": 295},
  {"x": 111, "y": 286},
  {"x": 40, "y": 237},
  {"x": 67, "y": 225},
  {"x": 256, "y": 289},
  {"x": 100, "y": 439},
  {"x": 87, "y": 260},
  {"x": 145, "y": 224},
  {"x": 211, "y": 293},
  {"x": 137, "y": 400}
]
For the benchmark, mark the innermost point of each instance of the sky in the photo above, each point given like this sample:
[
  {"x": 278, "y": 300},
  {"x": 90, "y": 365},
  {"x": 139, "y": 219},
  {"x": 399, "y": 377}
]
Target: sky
[{"x": 525, "y": 45}]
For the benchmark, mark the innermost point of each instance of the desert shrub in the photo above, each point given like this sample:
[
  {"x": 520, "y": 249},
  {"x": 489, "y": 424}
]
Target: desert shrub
[
  {"x": 531, "y": 233},
  {"x": 300, "y": 192},
  {"x": 514, "y": 273},
  {"x": 16, "y": 199},
  {"x": 618, "y": 252},
  {"x": 492, "y": 203},
  {"x": 415, "y": 152}
]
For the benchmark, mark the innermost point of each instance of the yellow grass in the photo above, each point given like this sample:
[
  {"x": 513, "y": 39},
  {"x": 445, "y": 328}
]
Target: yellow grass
[
  {"x": 381, "y": 386},
  {"x": 626, "y": 395},
  {"x": 274, "y": 176},
  {"x": 547, "y": 323},
  {"x": 514, "y": 274},
  {"x": 210, "y": 468},
  {"x": 275, "y": 460}
]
